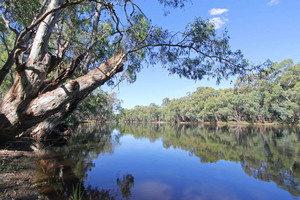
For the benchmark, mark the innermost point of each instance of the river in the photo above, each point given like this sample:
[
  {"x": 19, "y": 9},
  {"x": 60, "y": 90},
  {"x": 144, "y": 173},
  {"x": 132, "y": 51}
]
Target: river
[{"x": 173, "y": 162}]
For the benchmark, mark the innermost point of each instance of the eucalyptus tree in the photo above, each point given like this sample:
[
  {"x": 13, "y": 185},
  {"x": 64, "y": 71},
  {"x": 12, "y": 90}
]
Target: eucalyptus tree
[
  {"x": 225, "y": 108},
  {"x": 201, "y": 97},
  {"x": 99, "y": 106},
  {"x": 61, "y": 50},
  {"x": 154, "y": 112},
  {"x": 270, "y": 96},
  {"x": 280, "y": 91}
]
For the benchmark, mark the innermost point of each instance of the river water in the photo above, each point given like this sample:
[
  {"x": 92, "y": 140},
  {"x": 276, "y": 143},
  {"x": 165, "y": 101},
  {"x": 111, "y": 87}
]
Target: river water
[{"x": 173, "y": 162}]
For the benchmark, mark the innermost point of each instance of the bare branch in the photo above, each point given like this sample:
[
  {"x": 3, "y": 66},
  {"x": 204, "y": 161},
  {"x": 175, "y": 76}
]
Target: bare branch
[
  {"x": 182, "y": 46},
  {"x": 143, "y": 40},
  {"x": 115, "y": 18},
  {"x": 7, "y": 22},
  {"x": 127, "y": 17},
  {"x": 7, "y": 66},
  {"x": 41, "y": 11},
  {"x": 4, "y": 42}
]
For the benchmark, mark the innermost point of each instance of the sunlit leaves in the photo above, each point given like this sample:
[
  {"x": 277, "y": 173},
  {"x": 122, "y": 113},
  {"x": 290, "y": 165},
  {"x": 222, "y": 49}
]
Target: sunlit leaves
[{"x": 21, "y": 12}]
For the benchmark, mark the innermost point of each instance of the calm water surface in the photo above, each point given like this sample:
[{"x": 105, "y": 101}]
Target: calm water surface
[{"x": 169, "y": 162}]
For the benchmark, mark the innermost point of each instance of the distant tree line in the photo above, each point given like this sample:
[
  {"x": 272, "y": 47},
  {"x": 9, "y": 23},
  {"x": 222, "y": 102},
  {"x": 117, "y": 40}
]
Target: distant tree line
[{"x": 272, "y": 96}]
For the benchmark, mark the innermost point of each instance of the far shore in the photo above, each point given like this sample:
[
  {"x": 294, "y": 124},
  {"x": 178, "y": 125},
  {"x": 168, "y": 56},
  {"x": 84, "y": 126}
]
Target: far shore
[{"x": 230, "y": 123}]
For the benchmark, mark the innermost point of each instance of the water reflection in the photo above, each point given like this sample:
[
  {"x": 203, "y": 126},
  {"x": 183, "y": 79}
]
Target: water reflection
[
  {"x": 269, "y": 154},
  {"x": 265, "y": 153},
  {"x": 63, "y": 169}
]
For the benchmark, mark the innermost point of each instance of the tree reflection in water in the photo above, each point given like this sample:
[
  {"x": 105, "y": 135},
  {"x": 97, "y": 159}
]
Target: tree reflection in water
[
  {"x": 63, "y": 169},
  {"x": 265, "y": 153}
]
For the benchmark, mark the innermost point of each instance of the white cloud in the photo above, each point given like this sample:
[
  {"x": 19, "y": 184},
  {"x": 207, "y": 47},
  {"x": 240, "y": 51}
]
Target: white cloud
[
  {"x": 273, "y": 2},
  {"x": 217, "y": 11},
  {"x": 218, "y": 22}
]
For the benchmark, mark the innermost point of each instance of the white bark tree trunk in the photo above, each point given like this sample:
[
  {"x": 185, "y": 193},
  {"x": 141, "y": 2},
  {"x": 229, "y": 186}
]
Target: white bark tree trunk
[
  {"x": 55, "y": 105},
  {"x": 41, "y": 40}
]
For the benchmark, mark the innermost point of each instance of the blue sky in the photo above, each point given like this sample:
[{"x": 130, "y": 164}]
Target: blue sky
[{"x": 262, "y": 29}]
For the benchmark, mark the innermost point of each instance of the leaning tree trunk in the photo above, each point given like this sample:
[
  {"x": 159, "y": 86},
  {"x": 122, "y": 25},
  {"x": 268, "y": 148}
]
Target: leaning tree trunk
[
  {"x": 54, "y": 105},
  {"x": 45, "y": 128}
]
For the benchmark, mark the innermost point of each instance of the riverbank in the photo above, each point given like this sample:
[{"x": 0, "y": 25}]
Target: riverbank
[
  {"x": 17, "y": 171},
  {"x": 220, "y": 123}
]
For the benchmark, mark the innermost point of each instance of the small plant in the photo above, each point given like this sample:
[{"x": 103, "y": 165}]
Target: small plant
[{"x": 77, "y": 192}]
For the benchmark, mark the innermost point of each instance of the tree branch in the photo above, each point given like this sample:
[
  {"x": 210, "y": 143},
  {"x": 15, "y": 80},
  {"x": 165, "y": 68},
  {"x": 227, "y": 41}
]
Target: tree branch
[
  {"x": 7, "y": 66},
  {"x": 42, "y": 17},
  {"x": 7, "y": 23},
  {"x": 52, "y": 83}
]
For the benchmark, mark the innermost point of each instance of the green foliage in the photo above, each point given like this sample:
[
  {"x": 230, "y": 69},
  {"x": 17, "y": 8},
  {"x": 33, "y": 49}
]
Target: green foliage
[
  {"x": 99, "y": 106},
  {"x": 272, "y": 96},
  {"x": 173, "y": 3},
  {"x": 21, "y": 12},
  {"x": 8, "y": 168},
  {"x": 77, "y": 192},
  {"x": 198, "y": 52},
  {"x": 5, "y": 87}
]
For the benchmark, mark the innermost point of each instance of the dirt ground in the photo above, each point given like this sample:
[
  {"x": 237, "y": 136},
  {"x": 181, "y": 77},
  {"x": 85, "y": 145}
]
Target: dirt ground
[{"x": 17, "y": 171}]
